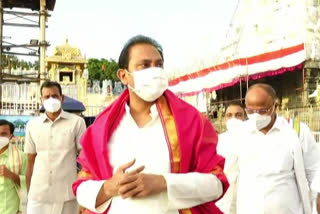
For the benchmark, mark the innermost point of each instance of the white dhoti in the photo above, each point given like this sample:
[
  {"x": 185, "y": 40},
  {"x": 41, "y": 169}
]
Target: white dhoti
[{"x": 39, "y": 207}]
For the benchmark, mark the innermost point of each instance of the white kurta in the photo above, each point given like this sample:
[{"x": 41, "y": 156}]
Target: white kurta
[
  {"x": 267, "y": 182},
  {"x": 311, "y": 154},
  {"x": 149, "y": 147},
  {"x": 228, "y": 148},
  {"x": 38, "y": 207}
]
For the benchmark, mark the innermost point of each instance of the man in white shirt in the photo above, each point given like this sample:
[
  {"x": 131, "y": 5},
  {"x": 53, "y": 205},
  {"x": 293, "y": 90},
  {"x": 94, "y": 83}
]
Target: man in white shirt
[
  {"x": 310, "y": 149},
  {"x": 149, "y": 151},
  {"x": 272, "y": 176},
  {"x": 227, "y": 147},
  {"x": 52, "y": 143}
]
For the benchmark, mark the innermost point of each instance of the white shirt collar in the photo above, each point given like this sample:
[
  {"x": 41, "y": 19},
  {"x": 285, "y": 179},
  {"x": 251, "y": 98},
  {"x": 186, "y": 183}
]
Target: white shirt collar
[
  {"x": 278, "y": 124},
  {"x": 63, "y": 115},
  {"x": 153, "y": 111}
]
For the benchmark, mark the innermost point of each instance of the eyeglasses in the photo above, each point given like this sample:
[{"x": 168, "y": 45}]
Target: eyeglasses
[{"x": 259, "y": 111}]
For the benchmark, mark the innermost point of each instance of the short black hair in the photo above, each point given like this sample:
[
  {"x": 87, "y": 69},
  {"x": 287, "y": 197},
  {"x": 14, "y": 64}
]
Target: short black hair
[
  {"x": 236, "y": 104},
  {"x": 267, "y": 88},
  {"x": 7, "y": 123},
  {"x": 139, "y": 39},
  {"x": 51, "y": 84}
]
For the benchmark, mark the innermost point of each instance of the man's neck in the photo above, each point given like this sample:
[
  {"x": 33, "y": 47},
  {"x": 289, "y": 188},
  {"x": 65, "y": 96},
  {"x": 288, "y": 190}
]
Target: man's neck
[
  {"x": 4, "y": 149},
  {"x": 53, "y": 115},
  {"x": 140, "y": 110}
]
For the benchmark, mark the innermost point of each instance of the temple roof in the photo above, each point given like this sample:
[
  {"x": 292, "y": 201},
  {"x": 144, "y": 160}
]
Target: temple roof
[
  {"x": 66, "y": 53},
  {"x": 29, "y": 4}
]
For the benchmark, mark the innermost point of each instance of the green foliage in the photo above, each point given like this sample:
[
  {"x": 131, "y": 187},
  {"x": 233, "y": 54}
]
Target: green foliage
[
  {"x": 101, "y": 69},
  {"x": 12, "y": 62}
]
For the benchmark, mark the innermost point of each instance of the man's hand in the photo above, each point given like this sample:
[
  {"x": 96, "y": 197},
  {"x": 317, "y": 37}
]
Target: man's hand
[
  {"x": 5, "y": 172},
  {"x": 120, "y": 174},
  {"x": 83, "y": 210},
  {"x": 111, "y": 187},
  {"x": 131, "y": 184},
  {"x": 31, "y": 160},
  {"x": 140, "y": 185}
]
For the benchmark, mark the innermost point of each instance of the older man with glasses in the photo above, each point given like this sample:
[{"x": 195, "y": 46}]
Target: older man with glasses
[{"x": 272, "y": 176}]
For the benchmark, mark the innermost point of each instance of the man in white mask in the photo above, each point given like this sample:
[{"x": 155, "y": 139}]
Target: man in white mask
[
  {"x": 234, "y": 116},
  {"x": 52, "y": 143},
  {"x": 227, "y": 147},
  {"x": 149, "y": 151},
  {"x": 272, "y": 176},
  {"x": 13, "y": 166}
]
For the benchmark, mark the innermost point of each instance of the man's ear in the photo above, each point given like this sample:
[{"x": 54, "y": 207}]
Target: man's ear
[
  {"x": 62, "y": 99},
  {"x": 276, "y": 105},
  {"x": 121, "y": 73}
]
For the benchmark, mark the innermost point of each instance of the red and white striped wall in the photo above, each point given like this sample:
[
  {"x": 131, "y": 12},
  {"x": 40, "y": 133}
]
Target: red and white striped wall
[{"x": 229, "y": 73}]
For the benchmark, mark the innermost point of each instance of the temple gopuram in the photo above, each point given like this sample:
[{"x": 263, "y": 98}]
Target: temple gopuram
[{"x": 69, "y": 68}]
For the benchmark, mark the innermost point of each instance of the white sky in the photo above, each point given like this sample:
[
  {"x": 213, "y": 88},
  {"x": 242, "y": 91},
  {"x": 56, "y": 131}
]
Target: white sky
[{"x": 189, "y": 31}]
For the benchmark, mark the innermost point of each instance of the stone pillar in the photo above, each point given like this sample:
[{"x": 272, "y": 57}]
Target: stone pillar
[
  {"x": 306, "y": 79},
  {"x": 1, "y": 62},
  {"x": 43, "y": 43}
]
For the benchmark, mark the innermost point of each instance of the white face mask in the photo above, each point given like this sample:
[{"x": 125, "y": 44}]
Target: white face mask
[
  {"x": 259, "y": 121},
  {"x": 4, "y": 141},
  {"x": 150, "y": 83},
  {"x": 52, "y": 105},
  {"x": 234, "y": 124}
]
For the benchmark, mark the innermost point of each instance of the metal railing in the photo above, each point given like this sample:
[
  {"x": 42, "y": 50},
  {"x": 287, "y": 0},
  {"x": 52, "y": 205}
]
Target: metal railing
[
  {"x": 93, "y": 110},
  {"x": 23, "y": 99},
  {"x": 308, "y": 115}
]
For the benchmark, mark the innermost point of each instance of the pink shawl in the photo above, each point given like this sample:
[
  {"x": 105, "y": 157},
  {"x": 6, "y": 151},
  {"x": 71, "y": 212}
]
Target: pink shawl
[{"x": 196, "y": 136}]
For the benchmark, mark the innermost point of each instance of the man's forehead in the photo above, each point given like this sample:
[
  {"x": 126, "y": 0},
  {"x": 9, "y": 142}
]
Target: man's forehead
[
  {"x": 267, "y": 101},
  {"x": 144, "y": 52},
  {"x": 258, "y": 96},
  {"x": 51, "y": 90},
  {"x": 234, "y": 109},
  {"x": 4, "y": 128}
]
